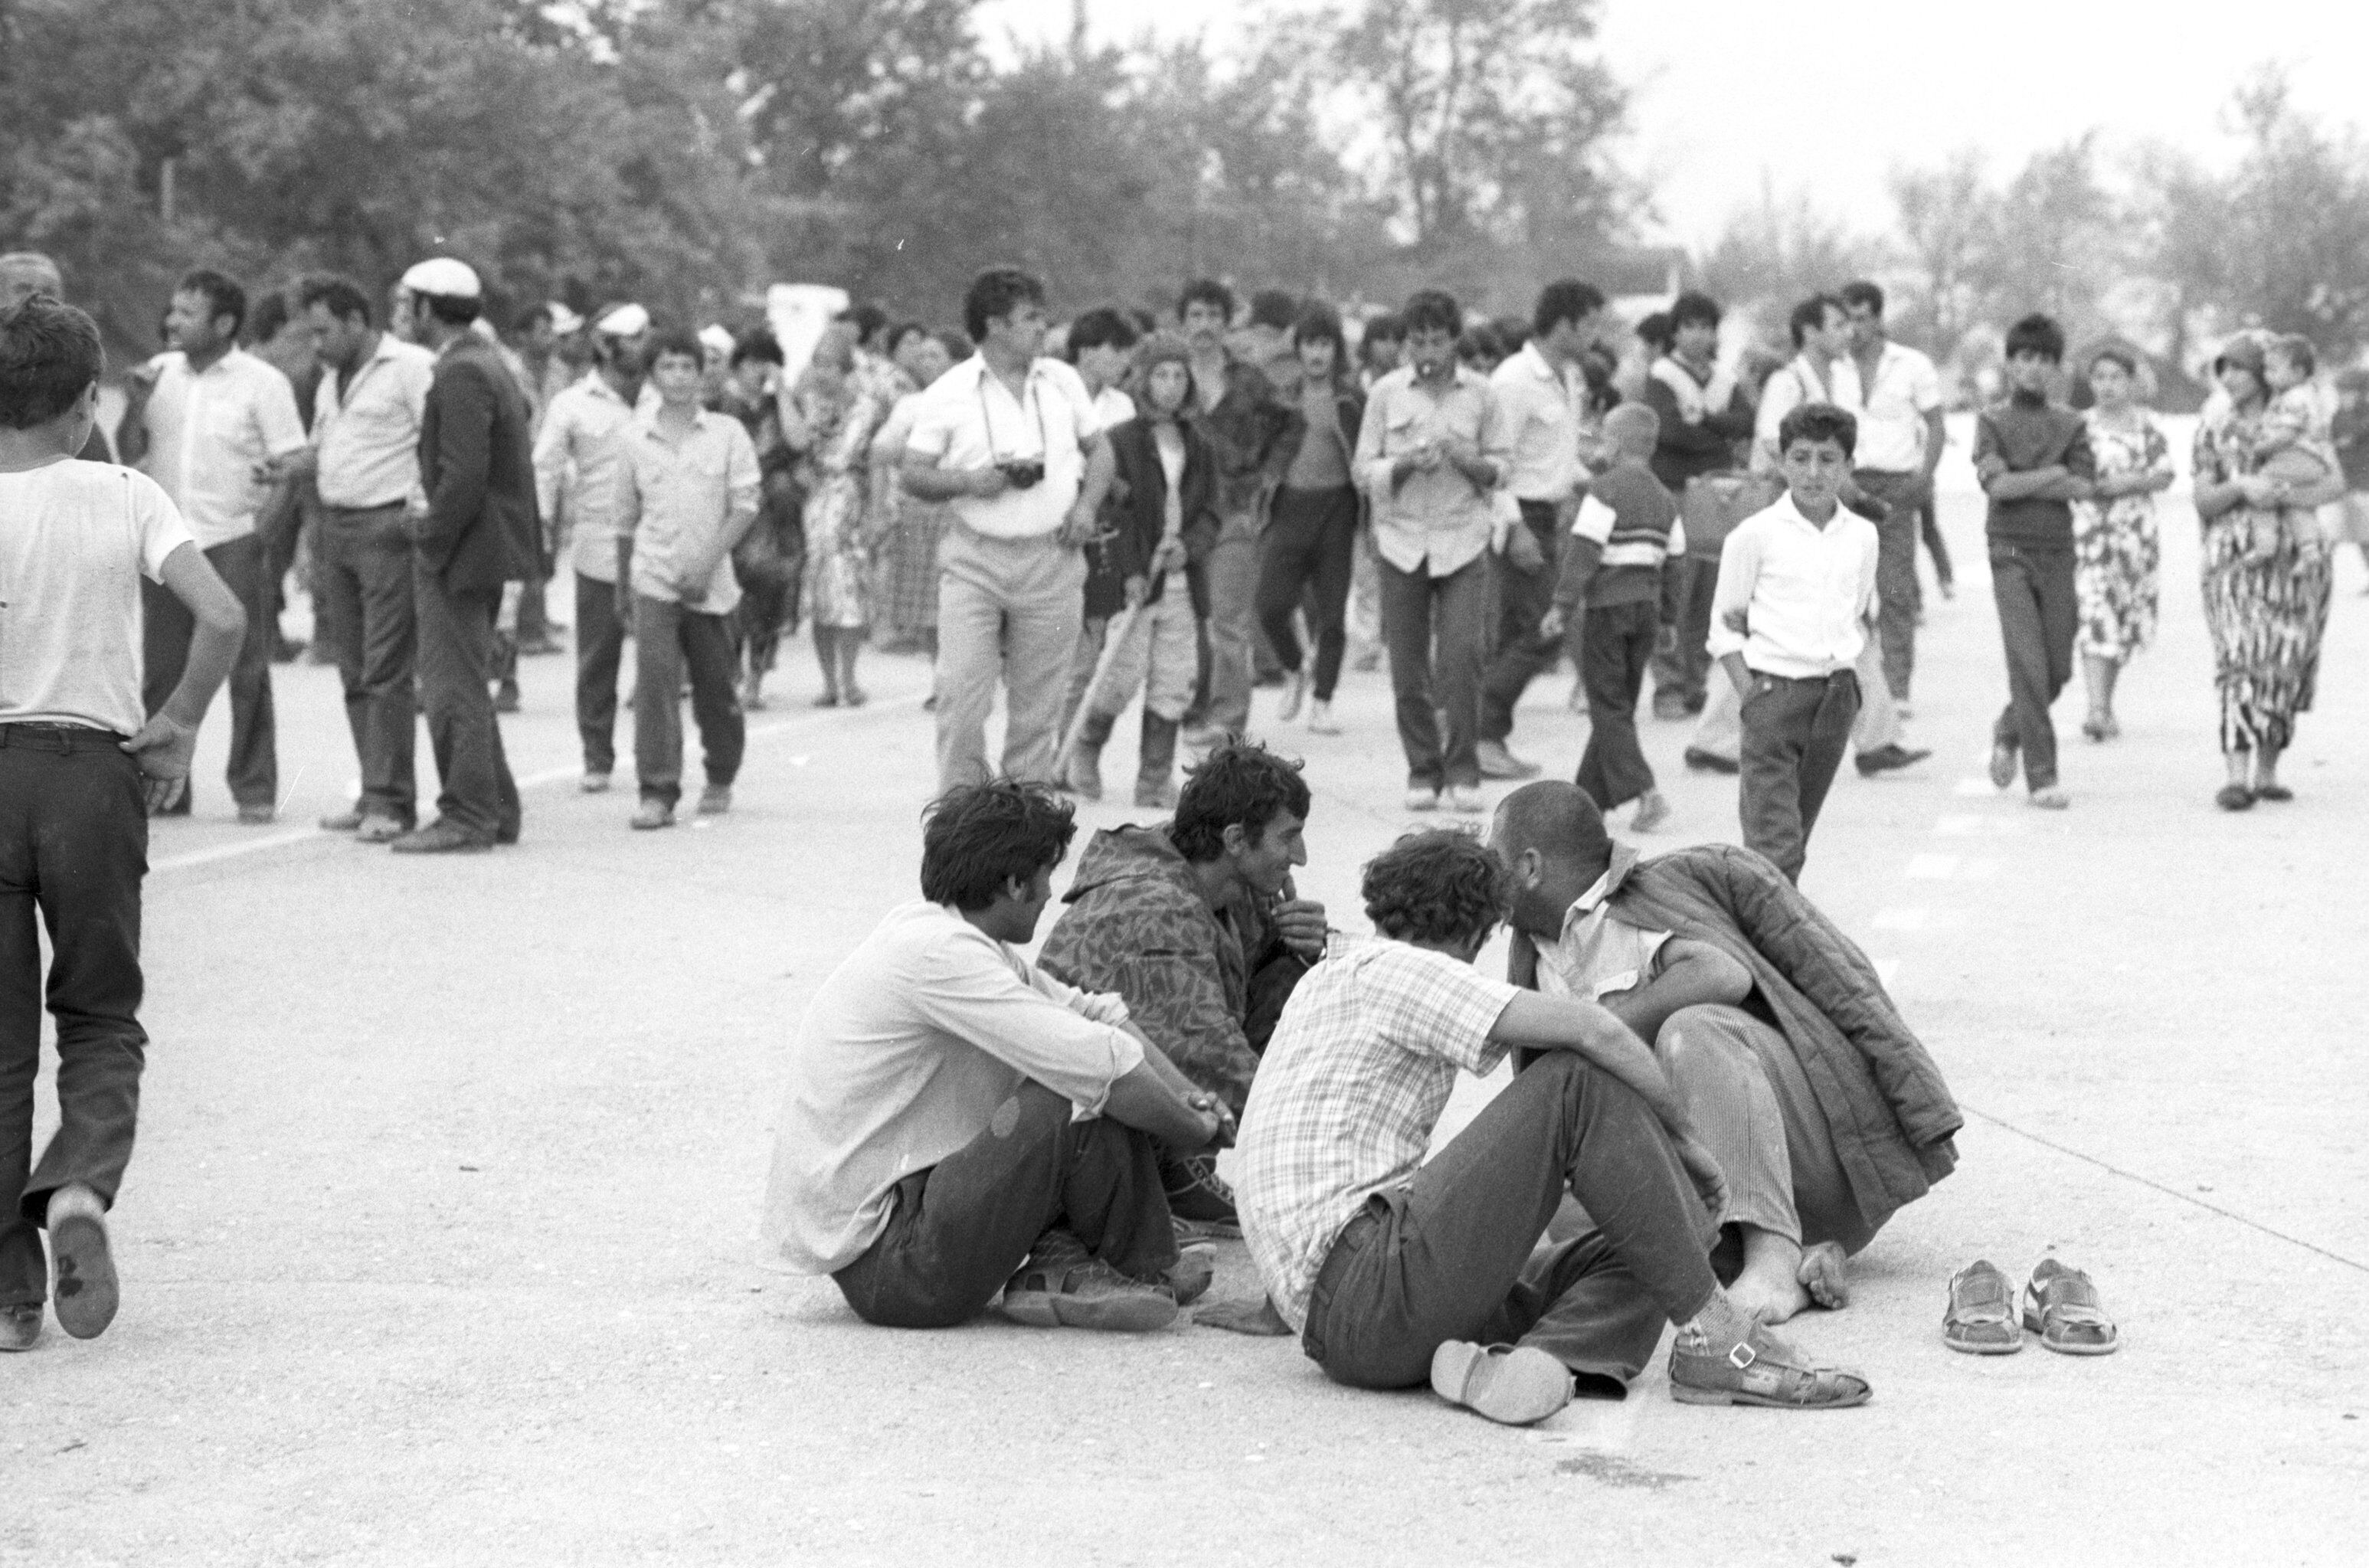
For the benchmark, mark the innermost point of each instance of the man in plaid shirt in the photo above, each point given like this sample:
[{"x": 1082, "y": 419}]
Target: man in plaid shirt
[{"x": 1389, "y": 1268}]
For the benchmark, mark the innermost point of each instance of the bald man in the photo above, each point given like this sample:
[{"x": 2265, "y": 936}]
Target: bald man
[
  {"x": 1825, "y": 1112},
  {"x": 23, "y": 274}
]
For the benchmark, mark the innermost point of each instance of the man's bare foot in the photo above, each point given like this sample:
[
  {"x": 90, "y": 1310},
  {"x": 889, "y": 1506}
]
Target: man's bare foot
[
  {"x": 1243, "y": 1317},
  {"x": 1772, "y": 1287},
  {"x": 1822, "y": 1274}
]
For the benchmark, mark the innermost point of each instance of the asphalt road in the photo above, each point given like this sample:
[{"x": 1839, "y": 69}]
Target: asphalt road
[{"x": 439, "y": 1244}]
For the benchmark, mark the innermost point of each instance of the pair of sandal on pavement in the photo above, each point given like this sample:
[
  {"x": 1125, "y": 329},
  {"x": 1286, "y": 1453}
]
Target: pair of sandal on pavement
[
  {"x": 2060, "y": 1305},
  {"x": 1517, "y": 1385}
]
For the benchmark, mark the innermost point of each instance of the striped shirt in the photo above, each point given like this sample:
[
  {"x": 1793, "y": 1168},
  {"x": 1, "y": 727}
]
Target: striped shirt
[{"x": 1626, "y": 528}]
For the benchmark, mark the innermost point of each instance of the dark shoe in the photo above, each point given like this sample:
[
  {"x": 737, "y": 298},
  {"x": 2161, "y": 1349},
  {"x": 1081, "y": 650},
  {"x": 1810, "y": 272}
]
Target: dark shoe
[
  {"x": 21, "y": 1326},
  {"x": 1198, "y": 1195},
  {"x": 2063, "y": 1307},
  {"x": 377, "y": 830},
  {"x": 1498, "y": 763},
  {"x": 1887, "y": 759},
  {"x": 1981, "y": 1316},
  {"x": 1763, "y": 1370},
  {"x": 2234, "y": 797},
  {"x": 2276, "y": 794},
  {"x": 1711, "y": 762},
  {"x": 1513, "y": 1385},
  {"x": 2002, "y": 763},
  {"x": 86, "y": 1295},
  {"x": 1062, "y": 1286},
  {"x": 442, "y": 837},
  {"x": 507, "y": 834},
  {"x": 652, "y": 814}
]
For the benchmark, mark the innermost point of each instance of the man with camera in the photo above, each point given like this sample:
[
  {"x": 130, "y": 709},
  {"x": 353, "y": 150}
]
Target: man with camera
[{"x": 1013, "y": 443}]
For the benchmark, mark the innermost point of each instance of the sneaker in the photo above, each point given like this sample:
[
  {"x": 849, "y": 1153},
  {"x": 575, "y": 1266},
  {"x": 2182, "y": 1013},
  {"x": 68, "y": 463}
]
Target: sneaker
[
  {"x": 85, "y": 1294},
  {"x": 1887, "y": 759},
  {"x": 652, "y": 814},
  {"x": 1321, "y": 720},
  {"x": 1465, "y": 798},
  {"x": 1422, "y": 797},
  {"x": 1762, "y": 1370},
  {"x": 21, "y": 1326},
  {"x": 1702, "y": 762},
  {"x": 1513, "y": 1385},
  {"x": 715, "y": 800},
  {"x": 1197, "y": 1196},
  {"x": 441, "y": 837},
  {"x": 1653, "y": 810},
  {"x": 2002, "y": 763},
  {"x": 1061, "y": 1286},
  {"x": 1498, "y": 763},
  {"x": 593, "y": 783}
]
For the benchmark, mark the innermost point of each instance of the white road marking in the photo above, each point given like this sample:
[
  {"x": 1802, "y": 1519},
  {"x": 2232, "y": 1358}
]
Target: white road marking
[
  {"x": 1933, "y": 867},
  {"x": 1982, "y": 786},
  {"x": 1971, "y": 826},
  {"x": 1913, "y": 917}
]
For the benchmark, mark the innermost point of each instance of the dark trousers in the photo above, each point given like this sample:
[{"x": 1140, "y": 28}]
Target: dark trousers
[
  {"x": 1523, "y": 600},
  {"x": 669, "y": 639},
  {"x": 961, "y": 1228},
  {"x": 1450, "y": 1257},
  {"x": 599, "y": 646},
  {"x": 456, "y": 659},
  {"x": 1929, "y": 526},
  {"x": 534, "y": 610},
  {"x": 2038, "y": 613},
  {"x": 74, "y": 847},
  {"x": 1616, "y": 643},
  {"x": 1682, "y": 675},
  {"x": 1309, "y": 546},
  {"x": 1433, "y": 629},
  {"x": 1794, "y": 733},
  {"x": 363, "y": 577},
  {"x": 1895, "y": 571},
  {"x": 253, "y": 770}
]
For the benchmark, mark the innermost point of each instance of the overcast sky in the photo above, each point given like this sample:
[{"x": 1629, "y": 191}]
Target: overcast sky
[{"x": 1829, "y": 96}]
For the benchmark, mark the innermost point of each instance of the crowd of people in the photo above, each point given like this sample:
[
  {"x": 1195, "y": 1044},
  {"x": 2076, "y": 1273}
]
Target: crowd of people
[{"x": 1165, "y": 511}]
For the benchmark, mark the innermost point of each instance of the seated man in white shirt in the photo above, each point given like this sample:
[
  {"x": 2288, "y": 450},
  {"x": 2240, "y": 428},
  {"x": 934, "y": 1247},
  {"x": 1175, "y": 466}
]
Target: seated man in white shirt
[{"x": 953, "y": 1113}]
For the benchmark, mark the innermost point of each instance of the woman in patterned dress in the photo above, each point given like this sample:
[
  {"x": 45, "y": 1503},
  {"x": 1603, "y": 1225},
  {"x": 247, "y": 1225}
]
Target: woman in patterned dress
[
  {"x": 909, "y": 576},
  {"x": 2116, "y": 548},
  {"x": 2266, "y": 583},
  {"x": 836, "y": 413}
]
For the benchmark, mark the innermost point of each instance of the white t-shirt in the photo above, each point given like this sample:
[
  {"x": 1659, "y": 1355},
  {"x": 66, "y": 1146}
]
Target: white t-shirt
[{"x": 75, "y": 538}]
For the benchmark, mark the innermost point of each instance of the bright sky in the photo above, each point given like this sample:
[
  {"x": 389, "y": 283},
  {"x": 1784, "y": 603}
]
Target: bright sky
[{"x": 1828, "y": 97}]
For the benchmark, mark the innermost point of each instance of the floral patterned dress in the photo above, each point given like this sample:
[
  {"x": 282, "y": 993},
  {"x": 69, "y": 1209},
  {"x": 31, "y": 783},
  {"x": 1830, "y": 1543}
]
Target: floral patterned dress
[
  {"x": 2117, "y": 551},
  {"x": 839, "y": 424},
  {"x": 2267, "y": 580}
]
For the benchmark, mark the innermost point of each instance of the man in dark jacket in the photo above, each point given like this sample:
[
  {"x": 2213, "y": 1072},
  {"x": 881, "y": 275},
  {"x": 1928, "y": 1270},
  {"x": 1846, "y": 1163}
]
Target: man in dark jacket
[
  {"x": 1826, "y": 1112},
  {"x": 480, "y": 532},
  {"x": 1704, "y": 416}
]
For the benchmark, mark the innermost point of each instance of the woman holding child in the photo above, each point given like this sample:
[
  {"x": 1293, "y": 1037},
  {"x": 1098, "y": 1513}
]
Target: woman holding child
[
  {"x": 2116, "y": 548},
  {"x": 2266, "y": 576}
]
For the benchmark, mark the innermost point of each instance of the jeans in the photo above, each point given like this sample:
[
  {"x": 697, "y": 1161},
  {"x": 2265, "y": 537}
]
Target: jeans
[
  {"x": 1794, "y": 733},
  {"x": 1231, "y": 571},
  {"x": 1433, "y": 629},
  {"x": 253, "y": 770},
  {"x": 1008, "y": 612},
  {"x": 1616, "y": 643},
  {"x": 1523, "y": 599},
  {"x": 1895, "y": 571},
  {"x": 1682, "y": 676},
  {"x": 1311, "y": 543},
  {"x": 2039, "y": 611},
  {"x": 367, "y": 618},
  {"x": 73, "y": 848},
  {"x": 1450, "y": 1256},
  {"x": 456, "y": 659},
  {"x": 599, "y": 647},
  {"x": 669, "y": 639},
  {"x": 960, "y": 1229}
]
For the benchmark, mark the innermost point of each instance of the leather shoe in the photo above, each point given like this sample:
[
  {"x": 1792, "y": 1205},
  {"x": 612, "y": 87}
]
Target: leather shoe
[
  {"x": 652, "y": 814},
  {"x": 442, "y": 837},
  {"x": 21, "y": 1326},
  {"x": 1763, "y": 1370},
  {"x": 1885, "y": 759},
  {"x": 1712, "y": 762}
]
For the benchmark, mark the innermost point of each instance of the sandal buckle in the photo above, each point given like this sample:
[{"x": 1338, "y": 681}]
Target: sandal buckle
[{"x": 1741, "y": 1357}]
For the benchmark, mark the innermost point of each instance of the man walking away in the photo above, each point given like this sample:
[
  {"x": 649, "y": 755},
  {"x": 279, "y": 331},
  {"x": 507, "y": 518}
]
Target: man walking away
[
  {"x": 1311, "y": 533},
  {"x": 479, "y": 532},
  {"x": 1900, "y": 443},
  {"x": 80, "y": 768},
  {"x": 687, "y": 492},
  {"x": 205, "y": 421}
]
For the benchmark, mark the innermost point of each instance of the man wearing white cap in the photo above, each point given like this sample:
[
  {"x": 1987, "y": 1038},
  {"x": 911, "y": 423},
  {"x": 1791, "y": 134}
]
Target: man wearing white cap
[{"x": 479, "y": 532}]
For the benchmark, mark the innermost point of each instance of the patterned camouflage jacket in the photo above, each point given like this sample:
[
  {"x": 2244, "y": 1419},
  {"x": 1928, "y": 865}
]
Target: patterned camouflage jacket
[{"x": 1137, "y": 924}]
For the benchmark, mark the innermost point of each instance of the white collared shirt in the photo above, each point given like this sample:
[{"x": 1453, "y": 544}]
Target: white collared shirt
[
  {"x": 1599, "y": 955},
  {"x": 209, "y": 431},
  {"x": 1539, "y": 408},
  {"x": 1438, "y": 522},
  {"x": 1797, "y": 382},
  {"x": 368, "y": 433},
  {"x": 1891, "y": 410},
  {"x": 578, "y": 466},
  {"x": 680, "y": 500},
  {"x": 969, "y": 419},
  {"x": 1805, "y": 590}
]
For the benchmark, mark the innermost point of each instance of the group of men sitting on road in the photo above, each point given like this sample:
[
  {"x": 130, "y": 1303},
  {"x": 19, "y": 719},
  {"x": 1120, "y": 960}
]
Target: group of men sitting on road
[{"x": 1716, "y": 1103}]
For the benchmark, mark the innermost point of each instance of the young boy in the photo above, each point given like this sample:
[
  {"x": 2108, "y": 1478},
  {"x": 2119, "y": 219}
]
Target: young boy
[
  {"x": 1627, "y": 550},
  {"x": 79, "y": 772},
  {"x": 2033, "y": 460},
  {"x": 1795, "y": 600},
  {"x": 687, "y": 492}
]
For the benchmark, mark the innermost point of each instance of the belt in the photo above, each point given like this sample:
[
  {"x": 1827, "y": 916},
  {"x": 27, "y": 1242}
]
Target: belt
[
  {"x": 363, "y": 511},
  {"x": 1808, "y": 679},
  {"x": 59, "y": 737}
]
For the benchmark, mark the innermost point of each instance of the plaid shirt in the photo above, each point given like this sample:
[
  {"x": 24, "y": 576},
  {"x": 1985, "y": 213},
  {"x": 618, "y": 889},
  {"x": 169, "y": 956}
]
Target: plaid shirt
[{"x": 1352, "y": 1083}]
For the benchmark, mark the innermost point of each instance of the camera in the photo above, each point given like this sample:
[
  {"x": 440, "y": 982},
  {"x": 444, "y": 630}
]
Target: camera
[{"x": 1021, "y": 473}]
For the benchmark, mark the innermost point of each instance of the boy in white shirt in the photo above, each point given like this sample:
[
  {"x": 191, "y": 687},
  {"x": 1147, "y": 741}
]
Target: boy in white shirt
[{"x": 80, "y": 770}]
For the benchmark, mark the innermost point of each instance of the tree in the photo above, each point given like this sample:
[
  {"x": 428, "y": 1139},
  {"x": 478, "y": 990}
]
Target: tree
[
  {"x": 1781, "y": 253},
  {"x": 1946, "y": 216},
  {"x": 2053, "y": 244},
  {"x": 2298, "y": 214}
]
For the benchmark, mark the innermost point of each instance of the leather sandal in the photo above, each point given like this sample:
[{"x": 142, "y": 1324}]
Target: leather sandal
[
  {"x": 1763, "y": 1370},
  {"x": 1981, "y": 1318},
  {"x": 2064, "y": 1309}
]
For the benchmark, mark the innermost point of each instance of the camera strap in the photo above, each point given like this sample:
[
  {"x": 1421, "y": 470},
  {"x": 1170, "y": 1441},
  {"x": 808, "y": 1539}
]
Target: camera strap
[{"x": 1029, "y": 412}]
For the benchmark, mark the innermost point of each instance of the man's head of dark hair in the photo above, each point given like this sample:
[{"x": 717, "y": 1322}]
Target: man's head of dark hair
[
  {"x": 2037, "y": 333},
  {"x": 1441, "y": 886},
  {"x": 1818, "y": 422},
  {"x": 1560, "y": 821},
  {"x": 902, "y": 331},
  {"x": 1239, "y": 781},
  {"x": 758, "y": 343},
  {"x": 344, "y": 298},
  {"x": 977, "y": 838},
  {"x": 1206, "y": 291},
  {"x": 679, "y": 340},
  {"x": 270, "y": 314},
  {"x": 993, "y": 295},
  {"x": 869, "y": 318},
  {"x": 1860, "y": 293},
  {"x": 1320, "y": 323},
  {"x": 1274, "y": 309},
  {"x": 1566, "y": 299},
  {"x": 1694, "y": 308},
  {"x": 453, "y": 310},
  {"x": 222, "y": 295},
  {"x": 1100, "y": 328},
  {"x": 1479, "y": 341},
  {"x": 1432, "y": 310},
  {"x": 1388, "y": 327},
  {"x": 50, "y": 354},
  {"x": 1656, "y": 332},
  {"x": 1810, "y": 317}
]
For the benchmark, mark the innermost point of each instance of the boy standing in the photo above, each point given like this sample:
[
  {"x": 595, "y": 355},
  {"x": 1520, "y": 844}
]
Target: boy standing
[
  {"x": 1627, "y": 544},
  {"x": 1796, "y": 593},
  {"x": 79, "y": 772},
  {"x": 2033, "y": 460},
  {"x": 686, "y": 494}
]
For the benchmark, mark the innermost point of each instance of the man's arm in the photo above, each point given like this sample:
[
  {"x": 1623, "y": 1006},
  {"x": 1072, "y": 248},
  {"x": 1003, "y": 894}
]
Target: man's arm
[
  {"x": 1937, "y": 438},
  {"x": 1374, "y": 471},
  {"x": 552, "y": 445},
  {"x": 1687, "y": 974},
  {"x": 1102, "y": 466},
  {"x": 131, "y": 430},
  {"x": 1730, "y": 603},
  {"x": 165, "y": 744},
  {"x": 740, "y": 498}
]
